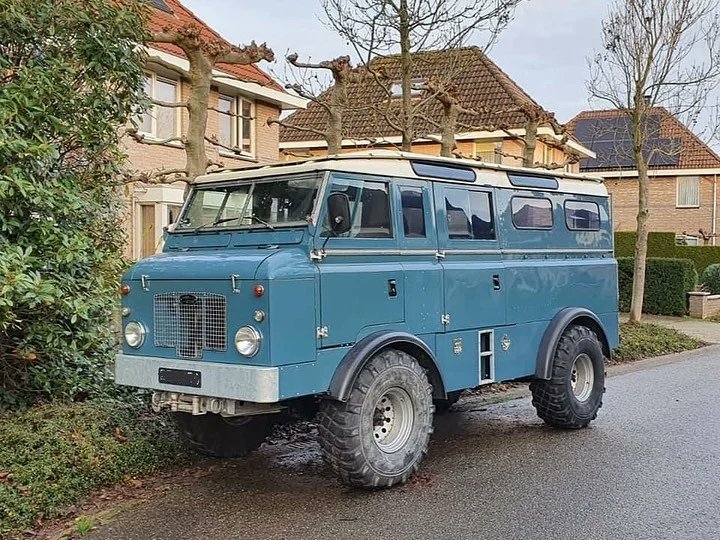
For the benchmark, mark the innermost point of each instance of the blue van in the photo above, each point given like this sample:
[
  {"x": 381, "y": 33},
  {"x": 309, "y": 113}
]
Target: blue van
[{"x": 374, "y": 288}]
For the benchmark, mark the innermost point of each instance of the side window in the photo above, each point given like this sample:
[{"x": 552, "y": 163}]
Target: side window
[
  {"x": 582, "y": 216},
  {"x": 469, "y": 215},
  {"x": 369, "y": 208},
  {"x": 532, "y": 213},
  {"x": 413, "y": 211}
]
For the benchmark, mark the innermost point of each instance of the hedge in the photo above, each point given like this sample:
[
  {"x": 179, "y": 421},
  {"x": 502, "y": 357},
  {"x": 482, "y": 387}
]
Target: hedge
[
  {"x": 667, "y": 282},
  {"x": 662, "y": 244}
]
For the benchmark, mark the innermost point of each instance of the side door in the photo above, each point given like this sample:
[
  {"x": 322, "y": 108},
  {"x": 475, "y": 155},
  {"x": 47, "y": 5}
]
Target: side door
[
  {"x": 473, "y": 270},
  {"x": 417, "y": 234},
  {"x": 361, "y": 277}
]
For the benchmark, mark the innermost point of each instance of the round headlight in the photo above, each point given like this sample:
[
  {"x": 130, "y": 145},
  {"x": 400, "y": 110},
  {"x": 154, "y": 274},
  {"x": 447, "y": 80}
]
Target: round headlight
[
  {"x": 247, "y": 341},
  {"x": 134, "y": 334}
]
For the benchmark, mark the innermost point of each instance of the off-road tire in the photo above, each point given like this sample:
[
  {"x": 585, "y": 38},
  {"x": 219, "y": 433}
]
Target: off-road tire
[
  {"x": 215, "y": 436},
  {"x": 348, "y": 431},
  {"x": 555, "y": 400}
]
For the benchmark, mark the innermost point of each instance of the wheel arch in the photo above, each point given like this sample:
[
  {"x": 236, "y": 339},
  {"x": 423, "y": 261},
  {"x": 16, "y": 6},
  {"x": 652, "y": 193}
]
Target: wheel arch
[
  {"x": 361, "y": 353},
  {"x": 563, "y": 319}
]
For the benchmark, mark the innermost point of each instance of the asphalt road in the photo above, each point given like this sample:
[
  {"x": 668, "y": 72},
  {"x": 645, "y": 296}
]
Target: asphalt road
[{"x": 647, "y": 468}]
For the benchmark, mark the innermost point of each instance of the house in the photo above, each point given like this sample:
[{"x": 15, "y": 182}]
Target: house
[
  {"x": 683, "y": 172},
  {"x": 478, "y": 84},
  {"x": 244, "y": 90}
]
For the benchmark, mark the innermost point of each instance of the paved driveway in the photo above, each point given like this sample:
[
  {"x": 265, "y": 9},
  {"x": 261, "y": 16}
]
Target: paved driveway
[{"x": 648, "y": 468}]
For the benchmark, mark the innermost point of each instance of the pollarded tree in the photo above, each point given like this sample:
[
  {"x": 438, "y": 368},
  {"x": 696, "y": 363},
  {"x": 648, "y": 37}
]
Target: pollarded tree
[
  {"x": 70, "y": 74},
  {"x": 375, "y": 28},
  {"x": 334, "y": 100},
  {"x": 204, "y": 52},
  {"x": 655, "y": 53}
]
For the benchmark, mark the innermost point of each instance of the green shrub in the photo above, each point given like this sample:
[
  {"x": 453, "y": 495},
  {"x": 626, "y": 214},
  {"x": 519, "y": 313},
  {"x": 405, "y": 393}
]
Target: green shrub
[
  {"x": 71, "y": 74},
  {"x": 662, "y": 244},
  {"x": 53, "y": 455},
  {"x": 667, "y": 282},
  {"x": 711, "y": 278}
]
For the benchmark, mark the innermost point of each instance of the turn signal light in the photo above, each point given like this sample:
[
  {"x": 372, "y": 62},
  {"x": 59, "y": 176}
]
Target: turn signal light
[
  {"x": 124, "y": 289},
  {"x": 258, "y": 290}
]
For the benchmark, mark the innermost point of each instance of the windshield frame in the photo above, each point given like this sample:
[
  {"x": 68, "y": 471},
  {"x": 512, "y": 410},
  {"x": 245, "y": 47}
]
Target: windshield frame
[{"x": 321, "y": 176}]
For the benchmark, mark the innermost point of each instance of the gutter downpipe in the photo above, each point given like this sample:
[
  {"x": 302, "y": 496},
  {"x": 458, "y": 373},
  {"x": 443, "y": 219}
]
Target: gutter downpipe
[{"x": 714, "y": 212}]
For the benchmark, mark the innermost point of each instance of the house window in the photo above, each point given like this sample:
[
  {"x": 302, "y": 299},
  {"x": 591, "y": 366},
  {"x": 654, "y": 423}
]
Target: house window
[
  {"x": 487, "y": 152},
  {"x": 416, "y": 87},
  {"x": 235, "y": 124},
  {"x": 688, "y": 192},
  {"x": 547, "y": 155},
  {"x": 158, "y": 121}
]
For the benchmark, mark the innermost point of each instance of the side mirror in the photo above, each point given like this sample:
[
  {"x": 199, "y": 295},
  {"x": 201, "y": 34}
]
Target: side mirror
[{"x": 339, "y": 213}]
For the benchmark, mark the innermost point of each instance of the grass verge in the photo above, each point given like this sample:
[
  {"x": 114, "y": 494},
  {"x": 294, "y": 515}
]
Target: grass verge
[
  {"x": 638, "y": 341},
  {"x": 53, "y": 455}
]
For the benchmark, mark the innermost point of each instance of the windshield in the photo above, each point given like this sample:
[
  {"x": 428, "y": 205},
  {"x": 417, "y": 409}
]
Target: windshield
[{"x": 265, "y": 203}]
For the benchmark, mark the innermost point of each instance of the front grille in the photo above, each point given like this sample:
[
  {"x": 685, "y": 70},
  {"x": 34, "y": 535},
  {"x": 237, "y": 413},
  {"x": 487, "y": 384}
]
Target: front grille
[{"x": 190, "y": 322}]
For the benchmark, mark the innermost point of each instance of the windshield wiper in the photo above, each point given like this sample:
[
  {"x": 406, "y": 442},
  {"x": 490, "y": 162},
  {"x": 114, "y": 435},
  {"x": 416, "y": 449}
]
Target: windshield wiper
[
  {"x": 262, "y": 221},
  {"x": 216, "y": 222}
]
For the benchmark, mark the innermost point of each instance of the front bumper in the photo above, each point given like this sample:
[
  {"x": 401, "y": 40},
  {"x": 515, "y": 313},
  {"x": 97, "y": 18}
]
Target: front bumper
[{"x": 246, "y": 383}]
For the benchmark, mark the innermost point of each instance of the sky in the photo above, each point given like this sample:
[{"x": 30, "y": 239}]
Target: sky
[{"x": 544, "y": 49}]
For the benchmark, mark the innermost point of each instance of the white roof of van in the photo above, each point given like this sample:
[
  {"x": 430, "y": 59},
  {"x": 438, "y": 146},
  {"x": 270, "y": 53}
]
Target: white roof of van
[{"x": 398, "y": 164}]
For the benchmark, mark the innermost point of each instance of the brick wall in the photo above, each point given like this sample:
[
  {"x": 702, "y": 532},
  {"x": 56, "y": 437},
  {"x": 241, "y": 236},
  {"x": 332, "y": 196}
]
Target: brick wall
[
  {"x": 145, "y": 157},
  {"x": 664, "y": 214}
]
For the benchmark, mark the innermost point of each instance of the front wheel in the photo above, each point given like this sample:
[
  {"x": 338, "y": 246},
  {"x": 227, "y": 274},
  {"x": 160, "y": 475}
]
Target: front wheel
[
  {"x": 379, "y": 437},
  {"x": 216, "y": 436},
  {"x": 573, "y": 395}
]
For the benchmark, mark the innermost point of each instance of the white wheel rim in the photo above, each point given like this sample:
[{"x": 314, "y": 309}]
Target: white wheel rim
[
  {"x": 393, "y": 419},
  {"x": 582, "y": 377}
]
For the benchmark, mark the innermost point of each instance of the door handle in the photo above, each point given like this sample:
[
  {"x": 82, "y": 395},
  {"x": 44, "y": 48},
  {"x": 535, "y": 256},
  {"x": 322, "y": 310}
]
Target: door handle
[
  {"x": 496, "y": 282},
  {"x": 392, "y": 288}
]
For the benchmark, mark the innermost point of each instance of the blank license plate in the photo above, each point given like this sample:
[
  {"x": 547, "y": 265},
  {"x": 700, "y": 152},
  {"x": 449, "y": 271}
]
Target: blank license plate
[{"x": 179, "y": 377}]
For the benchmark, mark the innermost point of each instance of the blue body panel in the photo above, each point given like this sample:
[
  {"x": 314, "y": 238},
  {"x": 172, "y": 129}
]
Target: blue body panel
[{"x": 446, "y": 291}]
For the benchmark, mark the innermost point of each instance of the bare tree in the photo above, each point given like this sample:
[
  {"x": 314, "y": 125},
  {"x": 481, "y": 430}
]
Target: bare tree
[
  {"x": 380, "y": 27},
  {"x": 203, "y": 54},
  {"x": 333, "y": 100},
  {"x": 655, "y": 53}
]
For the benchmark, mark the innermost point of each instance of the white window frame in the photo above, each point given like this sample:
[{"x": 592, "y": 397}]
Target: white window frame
[
  {"x": 678, "y": 182},
  {"x": 152, "y": 134},
  {"x": 236, "y": 126},
  {"x": 497, "y": 149},
  {"x": 417, "y": 85}
]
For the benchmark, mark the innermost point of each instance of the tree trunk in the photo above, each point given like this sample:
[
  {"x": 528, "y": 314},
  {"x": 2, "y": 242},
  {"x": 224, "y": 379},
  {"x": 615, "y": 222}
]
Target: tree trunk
[
  {"x": 447, "y": 129},
  {"x": 406, "y": 78},
  {"x": 338, "y": 103},
  {"x": 638, "y": 290},
  {"x": 197, "y": 106},
  {"x": 531, "y": 128}
]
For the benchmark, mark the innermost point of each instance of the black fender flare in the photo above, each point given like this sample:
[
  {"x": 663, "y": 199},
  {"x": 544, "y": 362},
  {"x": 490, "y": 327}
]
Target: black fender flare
[
  {"x": 563, "y": 319},
  {"x": 354, "y": 361}
]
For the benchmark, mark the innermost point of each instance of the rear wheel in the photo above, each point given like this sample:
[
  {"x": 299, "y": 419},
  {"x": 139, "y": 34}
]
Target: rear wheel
[
  {"x": 573, "y": 395},
  {"x": 379, "y": 437},
  {"x": 217, "y": 436}
]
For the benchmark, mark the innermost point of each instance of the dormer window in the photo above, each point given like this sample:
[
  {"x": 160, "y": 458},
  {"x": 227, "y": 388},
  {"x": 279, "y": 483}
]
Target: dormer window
[{"x": 417, "y": 87}]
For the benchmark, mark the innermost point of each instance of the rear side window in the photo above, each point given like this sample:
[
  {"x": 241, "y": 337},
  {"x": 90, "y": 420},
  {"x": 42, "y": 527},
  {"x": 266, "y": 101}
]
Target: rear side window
[
  {"x": 582, "y": 216},
  {"x": 413, "y": 210},
  {"x": 469, "y": 215},
  {"x": 369, "y": 208},
  {"x": 532, "y": 213}
]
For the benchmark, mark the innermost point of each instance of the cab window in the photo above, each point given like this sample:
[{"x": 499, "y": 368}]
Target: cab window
[
  {"x": 413, "y": 211},
  {"x": 369, "y": 208}
]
